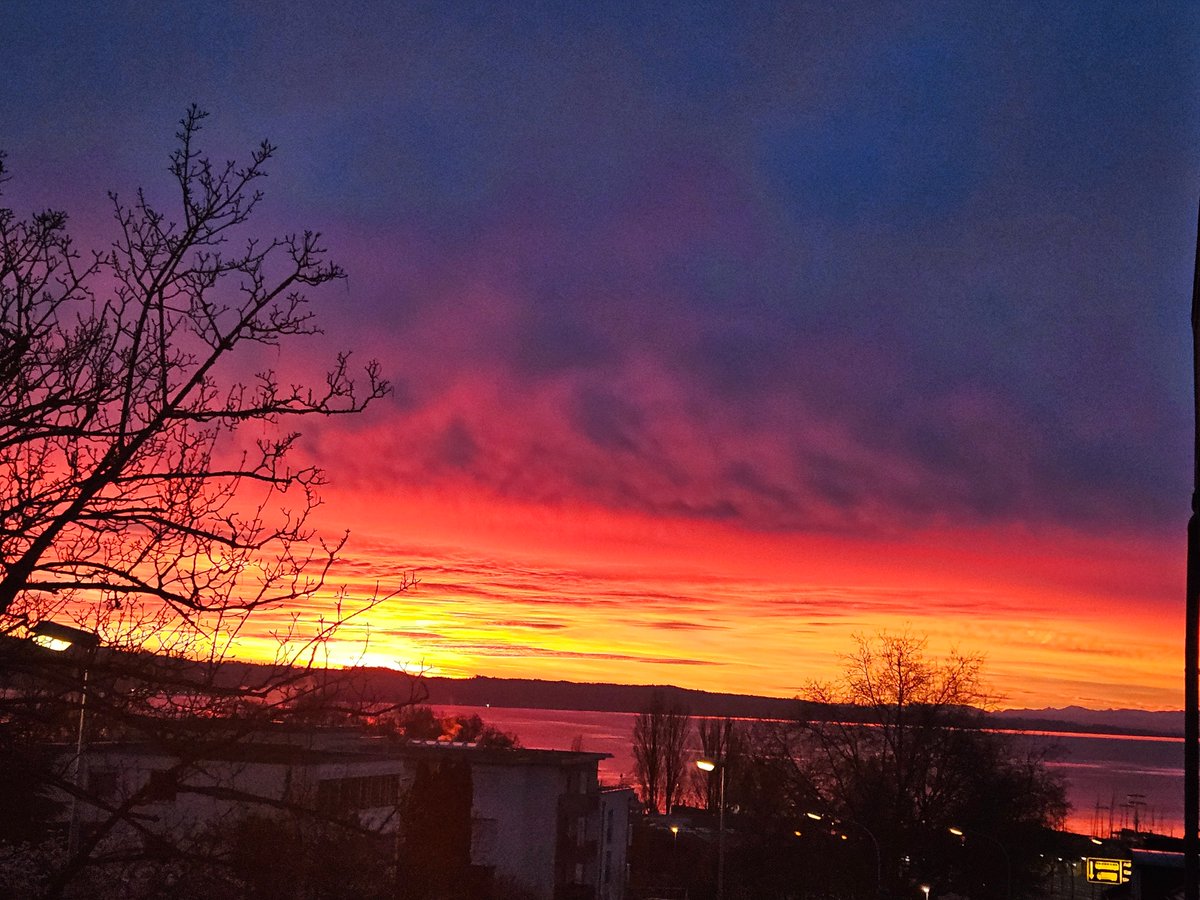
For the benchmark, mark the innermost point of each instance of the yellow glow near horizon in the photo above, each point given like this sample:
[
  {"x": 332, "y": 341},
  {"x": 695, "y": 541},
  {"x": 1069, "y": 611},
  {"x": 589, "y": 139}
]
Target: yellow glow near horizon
[{"x": 593, "y": 596}]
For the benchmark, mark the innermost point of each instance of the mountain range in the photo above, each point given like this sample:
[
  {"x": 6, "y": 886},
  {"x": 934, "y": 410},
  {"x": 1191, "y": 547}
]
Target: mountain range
[{"x": 534, "y": 694}]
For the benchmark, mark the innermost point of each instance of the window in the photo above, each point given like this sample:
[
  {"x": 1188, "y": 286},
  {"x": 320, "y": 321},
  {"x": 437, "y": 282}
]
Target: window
[
  {"x": 162, "y": 785},
  {"x": 361, "y": 792},
  {"x": 102, "y": 783},
  {"x": 485, "y": 837}
]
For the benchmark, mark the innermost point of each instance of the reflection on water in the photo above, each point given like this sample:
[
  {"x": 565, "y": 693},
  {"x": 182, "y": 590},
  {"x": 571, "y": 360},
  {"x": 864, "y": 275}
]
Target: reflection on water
[
  {"x": 1120, "y": 781},
  {"x": 1110, "y": 780}
]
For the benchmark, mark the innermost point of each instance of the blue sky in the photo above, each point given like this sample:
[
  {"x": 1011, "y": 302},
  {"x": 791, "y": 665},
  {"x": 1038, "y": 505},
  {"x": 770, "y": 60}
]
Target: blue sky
[{"x": 870, "y": 270}]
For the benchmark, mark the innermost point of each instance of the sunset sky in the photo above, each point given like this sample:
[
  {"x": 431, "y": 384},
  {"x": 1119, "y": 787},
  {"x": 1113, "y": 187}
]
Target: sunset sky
[{"x": 719, "y": 332}]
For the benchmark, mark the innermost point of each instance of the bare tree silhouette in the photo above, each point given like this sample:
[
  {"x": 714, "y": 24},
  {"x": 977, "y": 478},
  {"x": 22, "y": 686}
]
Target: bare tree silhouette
[{"x": 149, "y": 486}]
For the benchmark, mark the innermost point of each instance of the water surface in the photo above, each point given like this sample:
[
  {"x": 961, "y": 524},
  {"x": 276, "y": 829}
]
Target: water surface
[{"x": 1111, "y": 780}]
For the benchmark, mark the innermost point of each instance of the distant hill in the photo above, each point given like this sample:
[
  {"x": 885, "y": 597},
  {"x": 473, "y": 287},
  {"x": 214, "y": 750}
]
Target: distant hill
[
  {"x": 529, "y": 693},
  {"x": 392, "y": 686},
  {"x": 1107, "y": 721},
  {"x": 534, "y": 694}
]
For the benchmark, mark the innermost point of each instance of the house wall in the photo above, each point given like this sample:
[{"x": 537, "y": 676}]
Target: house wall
[
  {"x": 187, "y": 811},
  {"x": 615, "y": 831},
  {"x": 538, "y": 818},
  {"x": 515, "y": 823}
]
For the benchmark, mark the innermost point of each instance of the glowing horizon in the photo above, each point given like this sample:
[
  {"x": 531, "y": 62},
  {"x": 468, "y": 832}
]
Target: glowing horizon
[{"x": 708, "y": 608}]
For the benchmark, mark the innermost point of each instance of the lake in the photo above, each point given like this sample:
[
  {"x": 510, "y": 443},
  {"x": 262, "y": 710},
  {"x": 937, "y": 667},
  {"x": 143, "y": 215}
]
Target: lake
[{"x": 1110, "y": 778}]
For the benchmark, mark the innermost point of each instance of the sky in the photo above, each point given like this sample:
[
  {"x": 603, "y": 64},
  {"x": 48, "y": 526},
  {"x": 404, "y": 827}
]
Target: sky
[{"x": 720, "y": 333}]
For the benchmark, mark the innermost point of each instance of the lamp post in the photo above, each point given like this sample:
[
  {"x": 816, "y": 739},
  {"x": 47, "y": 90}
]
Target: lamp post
[
  {"x": 61, "y": 638},
  {"x": 817, "y": 817},
  {"x": 710, "y": 765},
  {"x": 958, "y": 832},
  {"x": 1191, "y": 629}
]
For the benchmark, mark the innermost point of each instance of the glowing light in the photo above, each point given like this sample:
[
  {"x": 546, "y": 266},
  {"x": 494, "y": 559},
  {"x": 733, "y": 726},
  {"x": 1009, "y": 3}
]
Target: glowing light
[{"x": 58, "y": 645}]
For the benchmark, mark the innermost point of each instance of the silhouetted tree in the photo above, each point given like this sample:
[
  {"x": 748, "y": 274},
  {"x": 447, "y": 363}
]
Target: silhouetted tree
[
  {"x": 421, "y": 723},
  {"x": 436, "y": 828},
  {"x": 149, "y": 490},
  {"x": 901, "y": 755},
  {"x": 720, "y": 740},
  {"x": 892, "y": 755},
  {"x": 660, "y": 738},
  {"x": 139, "y": 461}
]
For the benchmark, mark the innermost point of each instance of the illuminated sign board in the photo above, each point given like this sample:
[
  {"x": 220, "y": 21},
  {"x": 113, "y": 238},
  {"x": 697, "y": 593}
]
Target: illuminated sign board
[{"x": 1108, "y": 871}]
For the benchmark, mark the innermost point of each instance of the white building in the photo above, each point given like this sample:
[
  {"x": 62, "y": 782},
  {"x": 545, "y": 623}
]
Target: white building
[{"x": 534, "y": 818}]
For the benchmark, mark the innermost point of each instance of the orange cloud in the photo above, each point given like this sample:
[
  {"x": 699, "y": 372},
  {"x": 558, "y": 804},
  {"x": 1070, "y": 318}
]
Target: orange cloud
[{"x": 586, "y": 593}]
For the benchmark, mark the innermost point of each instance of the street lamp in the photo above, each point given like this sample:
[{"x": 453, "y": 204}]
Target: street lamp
[
  {"x": 958, "y": 832},
  {"x": 674, "y": 852},
  {"x": 58, "y": 637},
  {"x": 925, "y": 891},
  {"x": 61, "y": 638},
  {"x": 817, "y": 817},
  {"x": 710, "y": 765}
]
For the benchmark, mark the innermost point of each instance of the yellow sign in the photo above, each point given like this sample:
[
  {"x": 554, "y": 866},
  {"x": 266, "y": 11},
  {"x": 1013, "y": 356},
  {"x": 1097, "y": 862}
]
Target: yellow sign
[{"x": 1109, "y": 871}]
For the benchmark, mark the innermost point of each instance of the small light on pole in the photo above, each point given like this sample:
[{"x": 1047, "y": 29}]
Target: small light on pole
[
  {"x": 925, "y": 890},
  {"x": 61, "y": 638},
  {"x": 711, "y": 765},
  {"x": 817, "y": 817},
  {"x": 958, "y": 832}
]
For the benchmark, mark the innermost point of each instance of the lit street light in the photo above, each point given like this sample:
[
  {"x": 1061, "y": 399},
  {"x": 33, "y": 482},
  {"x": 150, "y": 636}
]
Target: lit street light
[
  {"x": 675, "y": 853},
  {"x": 817, "y": 817},
  {"x": 711, "y": 765},
  {"x": 958, "y": 832},
  {"x": 61, "y": 638}
]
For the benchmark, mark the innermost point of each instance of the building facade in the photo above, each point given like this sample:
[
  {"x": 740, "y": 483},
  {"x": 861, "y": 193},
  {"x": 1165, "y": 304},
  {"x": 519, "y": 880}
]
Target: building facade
[{"x": 532, "y": 821}]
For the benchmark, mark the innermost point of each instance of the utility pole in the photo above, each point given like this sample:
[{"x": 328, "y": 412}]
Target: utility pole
[{"x": 1191, "y": 638}]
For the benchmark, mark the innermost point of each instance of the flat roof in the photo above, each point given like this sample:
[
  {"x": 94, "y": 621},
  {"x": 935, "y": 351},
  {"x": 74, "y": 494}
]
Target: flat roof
[
  {"x": 259, "y": 749},
  {"x": 516, "y": 756}
]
